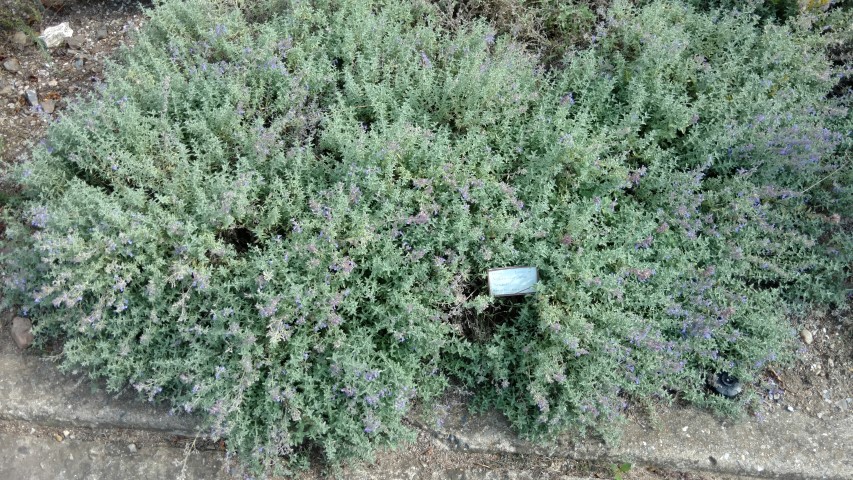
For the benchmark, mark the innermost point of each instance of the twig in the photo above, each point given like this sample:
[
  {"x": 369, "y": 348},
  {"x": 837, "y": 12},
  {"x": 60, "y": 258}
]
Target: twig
[
  {"x": 187, "y": 451},
  {"x": 777, "y": 377},
  {"x": 824, "y": 178}
]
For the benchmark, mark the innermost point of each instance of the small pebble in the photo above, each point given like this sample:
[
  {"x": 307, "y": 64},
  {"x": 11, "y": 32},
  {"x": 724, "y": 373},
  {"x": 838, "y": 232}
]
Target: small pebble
[
  {"x": 48, "y": 106},
  {"x": 52, "y": 83},
  {"x": 20, "y": 38},
  {"x": 12, "y": 65},
  {"x": 32, "y": 97},
  {"x": 102, "y": 33},
  {"x": 807, "y": 337},
  {"x": 132, "y": 448},
  {"x": 790, "y": 408},
  {"x": 22, "y": 332},
  {"x": 75, "y": 41},
  {"x": 78, "y": 63},
  {"x": 66, "y": 433}
]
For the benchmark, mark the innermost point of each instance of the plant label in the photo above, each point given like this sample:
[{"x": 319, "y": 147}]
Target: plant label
[{"x": 509, "y": 281}]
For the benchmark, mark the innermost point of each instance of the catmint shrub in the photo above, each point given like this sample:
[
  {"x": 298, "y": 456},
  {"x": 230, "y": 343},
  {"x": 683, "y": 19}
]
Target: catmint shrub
[{"x": 284, "y": 223}]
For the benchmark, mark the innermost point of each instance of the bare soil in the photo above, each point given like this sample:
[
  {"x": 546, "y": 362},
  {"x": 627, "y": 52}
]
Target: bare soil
[
  {"x": 60, "y": 74},
  {"x": 820, "y": 381}
]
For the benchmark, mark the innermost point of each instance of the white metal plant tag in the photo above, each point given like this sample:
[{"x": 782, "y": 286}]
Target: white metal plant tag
[{"x": 505, "y": 282}]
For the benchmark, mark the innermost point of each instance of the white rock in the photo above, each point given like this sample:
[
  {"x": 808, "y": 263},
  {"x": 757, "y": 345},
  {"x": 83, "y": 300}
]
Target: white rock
[{"x": 56, "y": 35}]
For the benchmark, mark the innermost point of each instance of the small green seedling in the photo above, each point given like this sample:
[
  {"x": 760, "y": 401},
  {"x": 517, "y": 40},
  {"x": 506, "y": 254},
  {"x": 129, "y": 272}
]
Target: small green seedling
[{"x": 621, "y": 469}]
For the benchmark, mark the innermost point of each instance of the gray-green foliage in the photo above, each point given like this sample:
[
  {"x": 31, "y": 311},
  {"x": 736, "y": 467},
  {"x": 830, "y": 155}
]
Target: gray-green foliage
[
  {"x": 285, "y": 224},
  {"x": 19, "y": 15}
]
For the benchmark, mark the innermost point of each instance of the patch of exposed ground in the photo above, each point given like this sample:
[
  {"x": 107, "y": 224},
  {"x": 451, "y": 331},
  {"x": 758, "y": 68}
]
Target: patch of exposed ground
[
  {"x": 59, "y": 75},
  {"x": 820, "y": 381}
]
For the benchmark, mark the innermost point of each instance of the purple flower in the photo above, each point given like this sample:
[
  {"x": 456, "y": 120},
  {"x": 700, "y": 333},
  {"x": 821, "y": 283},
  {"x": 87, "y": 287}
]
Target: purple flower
[
  {"x": 645, "y": 243},
  {"x": 121, "y": 306},
  {"x": 371, "y": 424},
  {"x": 644, "y": 273},
  {"x": 636, "y": 175},
  {"x": 425, "y": 60},
  {"x": 354, "y": 194},
  {"x": 268, "y": 310},
  {"x": 541, "y": 403},
  {"x": 39, "y": 217},
  {"x": 421, "y": 218}
]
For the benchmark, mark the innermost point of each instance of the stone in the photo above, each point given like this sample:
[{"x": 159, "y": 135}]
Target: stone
[
  {"x": 807, "y": 337},
  {"x": 75, "y": 41},
  {"x": 48, "y": 106},
  {"x": 102, "y": 33},
  {"x": 52, "y": 83},
  {"x": 20, "y": 38},
  {"x": 78, "y": 64},
  {"x": 22, "y": 332},
  {"x": 56, "y": 35},
  {"x": 790, "y": 408},
  {"x": 32, "y": 97},
  {"x": 12, "y": 65},
  {"x": 132, "y": 448}
]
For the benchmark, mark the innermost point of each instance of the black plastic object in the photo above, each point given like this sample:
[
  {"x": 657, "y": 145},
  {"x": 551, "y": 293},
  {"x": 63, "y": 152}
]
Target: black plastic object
[{"x": 725, "y": 384}]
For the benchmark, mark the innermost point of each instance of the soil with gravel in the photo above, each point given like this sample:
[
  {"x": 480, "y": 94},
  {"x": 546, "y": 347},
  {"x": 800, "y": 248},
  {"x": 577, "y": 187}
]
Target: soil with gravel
[
  {"x": 58, "y": 75},
  {"x": 819, "y": 382}
]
